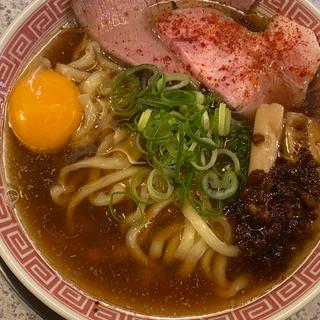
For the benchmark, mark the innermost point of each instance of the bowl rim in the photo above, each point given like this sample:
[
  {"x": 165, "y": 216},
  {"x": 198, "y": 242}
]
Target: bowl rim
[{"x": 58, "y": 306}]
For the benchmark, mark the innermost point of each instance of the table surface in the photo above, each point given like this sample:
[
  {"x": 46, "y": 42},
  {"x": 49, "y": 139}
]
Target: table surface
[{"x": 11, "y": 306}]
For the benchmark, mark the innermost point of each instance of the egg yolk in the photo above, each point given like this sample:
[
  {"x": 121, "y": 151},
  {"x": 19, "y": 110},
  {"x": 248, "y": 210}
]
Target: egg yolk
[{"x": 44, "y": 110}]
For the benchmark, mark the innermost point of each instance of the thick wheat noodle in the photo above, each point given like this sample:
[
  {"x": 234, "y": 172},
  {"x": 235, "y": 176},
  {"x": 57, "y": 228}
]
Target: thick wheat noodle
[
  {"x": 187, "y": 241},
  {"x": 134, "y": 231},
  {"x": 89, "y": 119},
  {"x": 206, "y": 263},
  {"x": 95, "y": 83},
  {"x": 87, "y": 61},
  {"x": 95, "y": 186},
  {"x": 193, "y": 257},
  {"x": 158, "y": 242},
  {"x": 106, "y": 144},
  {"x": 170, "y": 250},
  {"x": 227, "y": 232},
  {"x": 102, "y": 199},
  {"x": 206, "y": 233},
  {"x": 127, "y": 154},
  {"x": 97, "y": 162},
  {"x": 72, "y": 73},
  {"x": 219, "y": 271}
]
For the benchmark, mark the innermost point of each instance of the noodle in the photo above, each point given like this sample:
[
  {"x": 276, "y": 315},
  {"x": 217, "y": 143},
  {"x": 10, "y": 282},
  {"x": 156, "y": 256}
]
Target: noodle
[
  {"x": 194, "y": 255},
  {"x": 169, "y": 252},
  {"x": 97, "y": 185},
  {"x": 186, "y": 242},
  {"x": 158, "y": 241},
  {"x": 206, "y": 263},
  {"x": 72, "y": 73},
  {"x": 87, "y": 61},
  {"x": 97, "y": 84},
  {"x": 133, "y": 233},
  {"x": 206, "y": 233},
  {"x": 82, "y": 136}
]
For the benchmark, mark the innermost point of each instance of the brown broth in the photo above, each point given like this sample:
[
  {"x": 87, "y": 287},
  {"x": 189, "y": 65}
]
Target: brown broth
[{"x": 95, "y": 259}]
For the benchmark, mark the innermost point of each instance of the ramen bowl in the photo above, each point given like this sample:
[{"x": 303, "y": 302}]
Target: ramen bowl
[{"x": 33, "y": 28}]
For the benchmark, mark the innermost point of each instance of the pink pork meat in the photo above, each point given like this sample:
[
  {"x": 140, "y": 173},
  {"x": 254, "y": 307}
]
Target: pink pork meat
[
  {"x": 123, "y": 30},
  {"x": 246, "y": 68}
]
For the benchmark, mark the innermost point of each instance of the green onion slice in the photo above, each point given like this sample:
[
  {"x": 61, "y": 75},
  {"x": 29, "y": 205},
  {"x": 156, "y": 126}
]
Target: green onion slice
[
  {"x": 157, "y": 130},
  {"x": 144, "y": 118},
  {"x": 222, "y": 117},
  {"x": 136, "y": 182},
  {"x": 181, "y": 79},
  {"x": 159, "y": 186},
  {"x": 177, "y": 97},
  {"x": 179, "y": 156},
  {"x": 233, "y": 157},
  {"x": 220, "y": 189},
  {"x": 199, "y": 98},
  {"x": 206, "y": 165},
  {"x": 205, "y": 121},
  {"x": 124, "y": 92},
  {"x": 227, "y": 122},
  {"x": 138, "y": 138}
]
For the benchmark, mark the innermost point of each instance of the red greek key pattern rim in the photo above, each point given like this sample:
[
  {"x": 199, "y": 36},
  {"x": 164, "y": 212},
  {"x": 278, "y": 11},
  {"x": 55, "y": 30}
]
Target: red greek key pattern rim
[{"x": 17, "y": 50}]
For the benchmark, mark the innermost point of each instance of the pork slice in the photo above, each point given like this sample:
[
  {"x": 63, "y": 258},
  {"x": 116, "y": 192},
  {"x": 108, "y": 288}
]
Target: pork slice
[
  {"x": 246, "y": 68},
  {"x": 123, "y": 30},
  {"x": 122, "y": 27}
]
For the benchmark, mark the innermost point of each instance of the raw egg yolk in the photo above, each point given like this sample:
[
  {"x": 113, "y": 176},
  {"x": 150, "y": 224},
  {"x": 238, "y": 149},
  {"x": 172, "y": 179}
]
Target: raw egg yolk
[{"x": 44, "y": 110}]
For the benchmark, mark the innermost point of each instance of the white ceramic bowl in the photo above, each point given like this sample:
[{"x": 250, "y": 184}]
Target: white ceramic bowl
[{"x": 38, "y": 22}]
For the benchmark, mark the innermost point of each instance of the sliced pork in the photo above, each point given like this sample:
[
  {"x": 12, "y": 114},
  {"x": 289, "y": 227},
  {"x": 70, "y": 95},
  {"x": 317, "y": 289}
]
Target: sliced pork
[
  {"x": 122, "y": 29},
  {"x": 246, "y": 68}
]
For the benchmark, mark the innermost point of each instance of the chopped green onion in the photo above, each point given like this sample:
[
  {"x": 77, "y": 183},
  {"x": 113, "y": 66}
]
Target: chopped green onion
[
  {"x": 157, "y": 130},
  {"x": 233, "y": 157},
  {"x": 124, "y": 92},
  {"x": 159, "y": 186},
  {"x": 185, "y": 188},
  {"x": 143, "y": 67},
  {"x": 177, "y": 97},
  {"x": 137, "y": 181},
  {"x": 183, "y": 109},
  {"x": 193, "y": 146},
  {"x": 179, "y": 156},
  {"x": 138, "y": 143},
  {"x": 206, "y": 166},
  {"x": 222, "y": 117},
  {"x": 199, "y": 97},
  {"x": 205, "y": 121},
  {"x": 178, "y": 115},
  {"x": 202, "y": 141},
  {"x": 220, "y": 189},
  {"x": 144, "y": 118},
  {"x": 227, "y": 123},
  {"x": 182, "y": 80}
]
